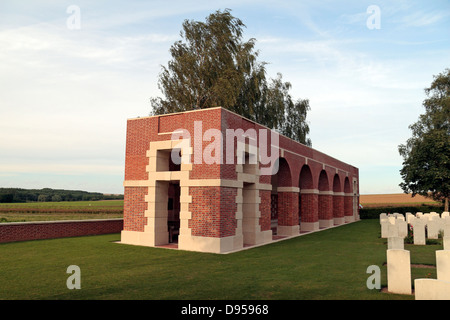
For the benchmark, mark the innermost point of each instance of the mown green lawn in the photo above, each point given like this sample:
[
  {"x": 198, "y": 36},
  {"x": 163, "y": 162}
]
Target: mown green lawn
[{"x": 330, "y": 264}]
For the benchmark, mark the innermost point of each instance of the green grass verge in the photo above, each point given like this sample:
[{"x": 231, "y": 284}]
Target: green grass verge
[{"x": 330, "y": 264}]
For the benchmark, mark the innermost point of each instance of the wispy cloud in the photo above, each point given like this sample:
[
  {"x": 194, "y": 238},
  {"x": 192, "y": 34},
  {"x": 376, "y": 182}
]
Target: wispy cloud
[{"x": 423, "y": 18}]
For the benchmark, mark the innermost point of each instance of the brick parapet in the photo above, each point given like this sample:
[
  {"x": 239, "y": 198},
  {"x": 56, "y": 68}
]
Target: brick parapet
[{"x": 24, "y": 231}]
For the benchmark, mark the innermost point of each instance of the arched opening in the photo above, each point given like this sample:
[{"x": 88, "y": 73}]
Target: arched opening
[
  {"x": 282, "y": 178},
  {"x": 308, "y": 209}
]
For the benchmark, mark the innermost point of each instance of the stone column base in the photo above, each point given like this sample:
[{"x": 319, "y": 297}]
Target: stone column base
[
  {"x": 288, "y": 230},
  {"x": 309, "y": 226},
  {"x": 348, "y": 219},
  {"x": 326, "y": 223}
]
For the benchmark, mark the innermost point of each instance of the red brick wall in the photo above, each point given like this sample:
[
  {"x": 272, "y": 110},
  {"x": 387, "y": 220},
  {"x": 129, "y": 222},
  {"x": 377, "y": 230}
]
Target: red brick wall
[
  {"x": 325, "y": 207},
  {"x": 139, "y": 133},
  {"x": 338, "y": 206},
  {"x": 213, "y": 211},
  {"x": 134, "y": 208},
  {"x": 287, "y": 208},
  {"x": 348, "y": 206},
  {"x": 228, "y": 208},
  {"x": 309, "y": 207},
  {"x": 11, "y": 232},
  {"x": 265, "y": 209},
  {"x": 210, "y": 119}
]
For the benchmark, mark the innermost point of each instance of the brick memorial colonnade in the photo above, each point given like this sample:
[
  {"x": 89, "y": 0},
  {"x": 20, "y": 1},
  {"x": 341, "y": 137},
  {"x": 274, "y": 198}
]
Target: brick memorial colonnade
[{"x": 210, "y": 180}]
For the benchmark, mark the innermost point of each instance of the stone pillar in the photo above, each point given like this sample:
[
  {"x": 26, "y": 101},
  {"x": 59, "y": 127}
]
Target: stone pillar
[
  {"x": 251, "y": 229},
  {"x": 156, "y": 213},
  {"x": 399, "y": 271}
]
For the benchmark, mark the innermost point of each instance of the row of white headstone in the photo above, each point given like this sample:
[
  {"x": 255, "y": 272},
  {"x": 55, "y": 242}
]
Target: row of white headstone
[{"x": 394, "y": 227}]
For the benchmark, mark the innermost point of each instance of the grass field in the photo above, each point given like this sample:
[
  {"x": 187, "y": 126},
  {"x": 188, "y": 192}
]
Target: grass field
[
  {"x": 77, "y": 210},
  {"x": 325, "y": 265},
  {"x": 395, "y": 199},
  {"x": 65, "y": 210}
]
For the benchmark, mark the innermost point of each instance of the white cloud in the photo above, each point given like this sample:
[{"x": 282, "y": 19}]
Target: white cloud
[{"x": 423, "y": 19}]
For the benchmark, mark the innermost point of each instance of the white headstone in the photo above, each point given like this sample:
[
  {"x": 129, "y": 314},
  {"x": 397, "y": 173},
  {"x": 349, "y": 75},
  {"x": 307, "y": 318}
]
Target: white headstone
[
  {"x": 443, "y": 265},
  {"x": 399, "y": 271},
  {"x": 396, "y": 243},
  {"x": 385, "y": 228},
  {"x": 433, "y": 228},
  {"x": 393, "y": 230},
  {"x": 446, "y": 239},
  {"x": 419, "y": 231},
  {"x": 409, "y": 216}
]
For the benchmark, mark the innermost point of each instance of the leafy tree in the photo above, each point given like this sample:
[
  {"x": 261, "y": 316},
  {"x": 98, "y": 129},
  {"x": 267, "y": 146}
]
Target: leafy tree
[
  {"x": 43, "y": 198},
  {"x": 426, "y": 155},
  {"x": 56, "y": 198},
  {"x": 215, "y": 67}
]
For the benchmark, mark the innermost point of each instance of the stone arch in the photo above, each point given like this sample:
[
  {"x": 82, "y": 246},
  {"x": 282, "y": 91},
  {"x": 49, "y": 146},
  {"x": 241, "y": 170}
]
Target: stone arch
[
  {"x": 336, "y": 183},
  {"x": 347, "y": 188},
  {"x": 306, "y": 179},
  {"x": 323, "y": 181},
  {"x": 284, "y": 173}
]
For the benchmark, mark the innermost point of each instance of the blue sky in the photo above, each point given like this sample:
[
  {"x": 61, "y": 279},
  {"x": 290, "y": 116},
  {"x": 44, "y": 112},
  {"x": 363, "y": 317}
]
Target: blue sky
[{"x": 65, "y": 93}]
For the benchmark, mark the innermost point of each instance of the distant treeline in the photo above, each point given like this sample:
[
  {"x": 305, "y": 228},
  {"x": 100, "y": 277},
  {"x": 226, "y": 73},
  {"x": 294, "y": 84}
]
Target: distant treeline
[{"x": 10, "y": 195}]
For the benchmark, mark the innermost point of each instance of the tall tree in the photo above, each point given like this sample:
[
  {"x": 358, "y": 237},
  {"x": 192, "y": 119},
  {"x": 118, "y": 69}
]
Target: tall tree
[
  {"x": 214, "y": 67},
  {"x": 426, "y": 155}
]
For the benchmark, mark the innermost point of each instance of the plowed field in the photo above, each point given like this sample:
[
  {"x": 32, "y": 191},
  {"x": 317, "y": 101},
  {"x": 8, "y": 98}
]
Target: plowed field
[{"x": 400, "y": 199}]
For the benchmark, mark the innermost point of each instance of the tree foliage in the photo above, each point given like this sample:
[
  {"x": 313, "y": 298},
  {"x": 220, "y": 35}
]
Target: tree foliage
[
  {"x": 426, "y": 155},
  {"x": 10, "y": 195},
  {"x": 215, "y": 67}
]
